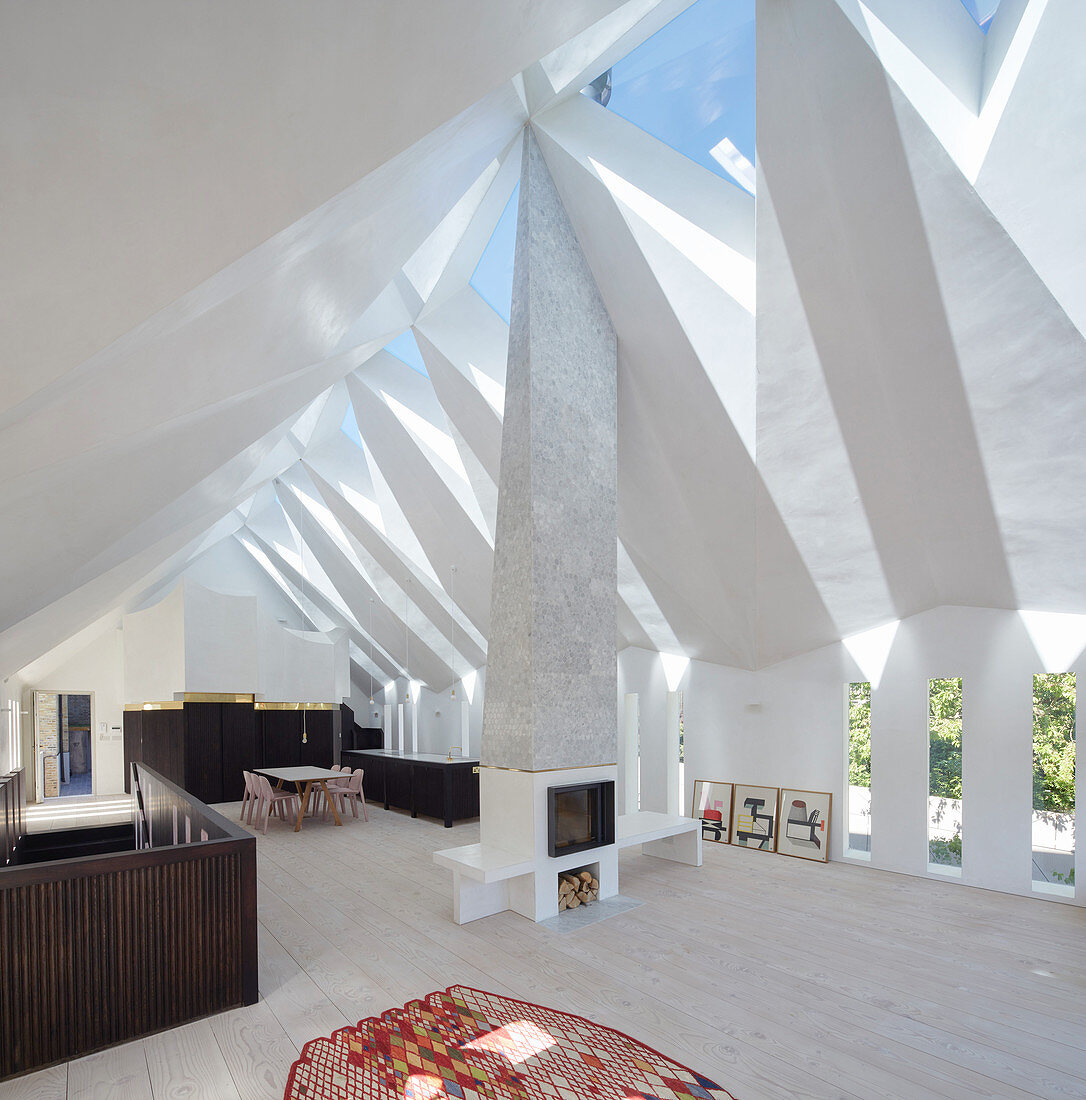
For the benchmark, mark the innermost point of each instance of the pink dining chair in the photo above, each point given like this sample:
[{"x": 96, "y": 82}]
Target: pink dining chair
[
  {"x": 249, "y": 798},
  {"x": 254, "y": 798},
  {"x": 350, "y": 792},
  {"x": 339, "y": 783},
  {"x": 272, "y": 799}
]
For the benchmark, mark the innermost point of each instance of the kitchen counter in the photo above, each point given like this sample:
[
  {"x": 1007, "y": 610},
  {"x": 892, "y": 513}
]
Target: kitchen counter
[
  {"x": 425, "y": 783},
  {"x": 418, "y": 757}
]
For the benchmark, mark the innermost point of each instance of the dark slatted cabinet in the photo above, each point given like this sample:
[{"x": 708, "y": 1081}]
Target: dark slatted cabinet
[
  {"x": 425, "y": 784},
  {"x": 205, "y": 746}
]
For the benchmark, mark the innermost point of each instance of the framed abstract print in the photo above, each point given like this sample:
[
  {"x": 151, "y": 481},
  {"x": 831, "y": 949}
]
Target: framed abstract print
[
  {"x": 805, "y": 824},
  {"x": 713, "y": 804},
  {"x": 754, "y": 817}
]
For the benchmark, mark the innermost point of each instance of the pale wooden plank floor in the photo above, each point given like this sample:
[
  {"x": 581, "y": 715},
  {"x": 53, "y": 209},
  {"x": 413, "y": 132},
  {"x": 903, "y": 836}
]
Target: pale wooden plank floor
[{"x": 777, "y": 977}]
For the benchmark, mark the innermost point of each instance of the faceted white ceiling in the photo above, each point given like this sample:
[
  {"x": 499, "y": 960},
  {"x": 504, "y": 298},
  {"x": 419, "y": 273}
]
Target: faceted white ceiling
[{"x": 855, "y": 396}]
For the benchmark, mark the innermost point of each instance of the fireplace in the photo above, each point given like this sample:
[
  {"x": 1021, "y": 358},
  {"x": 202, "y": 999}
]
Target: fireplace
[{"x": 581, "y": 816}]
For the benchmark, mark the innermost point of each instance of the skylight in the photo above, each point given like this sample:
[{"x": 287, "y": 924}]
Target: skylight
[
  {"x": 692, "y": 86},
  {"x": 349, "y": 427},
  {"x": 407, "y": 351},
  {"x": 493, "y": 275},
  {"x": 982, "y": 11}
]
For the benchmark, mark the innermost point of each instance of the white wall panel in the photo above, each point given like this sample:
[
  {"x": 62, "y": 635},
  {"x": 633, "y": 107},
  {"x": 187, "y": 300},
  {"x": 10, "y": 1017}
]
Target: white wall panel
[
  {"x": 785, "y": 726},
  {"x": 154, "y": 650}
]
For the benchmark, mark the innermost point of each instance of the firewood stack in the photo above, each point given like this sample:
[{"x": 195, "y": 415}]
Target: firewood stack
[{"x": 577, "y": 889}]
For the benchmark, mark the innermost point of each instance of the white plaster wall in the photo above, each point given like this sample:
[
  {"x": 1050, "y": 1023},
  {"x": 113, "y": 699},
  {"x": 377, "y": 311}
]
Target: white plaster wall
[
  {"x": 439, "y": 718},
  {"x": 785, "y": 726},
  {"x": 393, "y": 696},
  {"x": 154, "y": 650},
  {"x": 438, "y": 714},
  {"x": 359, "y": 702},
  {"x": 198, "y": 640},
  {"x": 94, "y": 665},
  {"x": 229, "y": 568},
  {"x": 640, "y": 671},
  {"x": 245, "y": 636},
  {"x": 1037, "y": 199},
  {"x": 220, "y": 641},
  {"x": 341, "y": 664},
  {"x": 295, "y": 666}
]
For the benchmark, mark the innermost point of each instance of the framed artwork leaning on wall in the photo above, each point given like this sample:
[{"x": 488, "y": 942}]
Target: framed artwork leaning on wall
[
  {"x": 805, "y": 824},
  {"x": 713, "y": 804},
  {"x": 754, "y": 817}
]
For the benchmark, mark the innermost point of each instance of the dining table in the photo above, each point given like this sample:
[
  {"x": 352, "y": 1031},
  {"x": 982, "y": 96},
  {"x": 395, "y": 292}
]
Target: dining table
[{"x": 304, "y": 779}]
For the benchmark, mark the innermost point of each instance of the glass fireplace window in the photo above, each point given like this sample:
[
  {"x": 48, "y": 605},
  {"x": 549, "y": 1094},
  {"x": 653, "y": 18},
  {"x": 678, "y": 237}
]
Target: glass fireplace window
[
  {"x": 581, "y": 816},
  {"x": 575, "y": 817}
]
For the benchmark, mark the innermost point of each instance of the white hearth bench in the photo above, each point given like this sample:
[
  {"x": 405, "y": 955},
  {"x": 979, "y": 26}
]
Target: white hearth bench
[
  {"x": 483, "y": 875},
  {"x": 665, "y": 836},
  {"x": 489, "y": 880}
]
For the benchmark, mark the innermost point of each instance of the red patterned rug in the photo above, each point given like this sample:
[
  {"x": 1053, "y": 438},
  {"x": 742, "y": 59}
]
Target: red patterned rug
[{"x": 463, "y": 1044}]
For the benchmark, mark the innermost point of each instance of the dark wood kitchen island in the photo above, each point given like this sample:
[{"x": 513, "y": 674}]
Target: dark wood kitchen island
[{"x": 424, "y": 783}]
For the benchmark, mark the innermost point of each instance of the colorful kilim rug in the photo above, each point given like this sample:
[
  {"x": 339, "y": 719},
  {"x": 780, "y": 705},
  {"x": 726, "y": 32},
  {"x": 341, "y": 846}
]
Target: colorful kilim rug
[{"x": 463, "y": 1044}]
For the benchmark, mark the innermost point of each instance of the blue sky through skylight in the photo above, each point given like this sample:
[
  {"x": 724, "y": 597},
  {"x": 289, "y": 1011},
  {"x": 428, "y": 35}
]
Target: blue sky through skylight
[
  {"x": 407, "y": 351},
  {"x": 692, "y": 83},
  {"x": 349, "y": 427},
  {"x": 493, "y": 274},
  {"x": 982, "y": 11}
]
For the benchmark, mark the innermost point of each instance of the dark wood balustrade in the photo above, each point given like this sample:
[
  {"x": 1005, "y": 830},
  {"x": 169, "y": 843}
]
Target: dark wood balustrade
[{"x": 103, "y": 949}]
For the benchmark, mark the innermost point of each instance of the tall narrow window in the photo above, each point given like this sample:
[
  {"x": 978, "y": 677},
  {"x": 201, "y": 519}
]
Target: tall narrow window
[
  {"x": 945, "y": 773},
  {"x": 859, "y": 767},
  {"x": 1054, "y": 782}
]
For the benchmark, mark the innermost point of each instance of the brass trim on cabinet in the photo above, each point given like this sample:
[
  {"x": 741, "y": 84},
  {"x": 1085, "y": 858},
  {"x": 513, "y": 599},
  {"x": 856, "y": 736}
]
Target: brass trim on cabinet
[
  {"x": 228, "y": 697},
  {"x": 296, "y": 706},
  {"x": 216, "y": 697}
]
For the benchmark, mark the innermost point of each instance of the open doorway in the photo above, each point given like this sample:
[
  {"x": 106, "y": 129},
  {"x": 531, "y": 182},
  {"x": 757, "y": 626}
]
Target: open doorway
[{"x": 63, "y": 744}]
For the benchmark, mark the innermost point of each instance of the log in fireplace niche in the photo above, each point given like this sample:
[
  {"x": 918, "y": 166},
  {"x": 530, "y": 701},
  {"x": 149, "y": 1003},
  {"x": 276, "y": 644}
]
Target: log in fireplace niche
[{"x": 581, "y": 816}]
